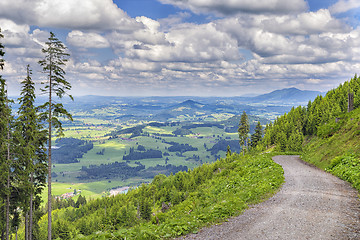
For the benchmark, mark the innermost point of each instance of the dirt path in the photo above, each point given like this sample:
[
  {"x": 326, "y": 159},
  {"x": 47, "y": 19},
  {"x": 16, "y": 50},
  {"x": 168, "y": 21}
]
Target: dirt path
[{"x": 311, "y": 204}]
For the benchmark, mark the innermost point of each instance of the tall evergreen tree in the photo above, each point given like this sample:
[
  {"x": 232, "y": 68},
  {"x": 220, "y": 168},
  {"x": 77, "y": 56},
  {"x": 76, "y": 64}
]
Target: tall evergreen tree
[
  {"x": 257, "y": 136},
  {"x": 4, "y": 148},
  {"x": 31, "y": 141},
  {"x": 243, "y": 130},
  {"x": 56, "y": 84},
  {"x": 3, "y": 166}
]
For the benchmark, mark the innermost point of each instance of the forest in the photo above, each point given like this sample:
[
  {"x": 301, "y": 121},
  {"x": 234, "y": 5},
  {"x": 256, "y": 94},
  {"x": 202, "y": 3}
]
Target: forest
[
  {"x": 69, "y": 150},
  {"x": 26, "y": 141},
  {"x": 318, "y": 118},
  {"x": 137, "y": 155}
]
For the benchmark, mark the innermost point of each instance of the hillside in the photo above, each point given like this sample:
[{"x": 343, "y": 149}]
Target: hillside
[
  {"x": 288, "y": 96},
  {"x": 336, "y": 148},
  {"x": 171, "y": 206},
  {"x": 331, "y": 133}
]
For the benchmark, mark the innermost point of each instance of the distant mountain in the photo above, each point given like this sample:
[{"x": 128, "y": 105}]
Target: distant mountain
[
  {"x": 189, "y": 104},
  {"x": 287, "y": 96}
]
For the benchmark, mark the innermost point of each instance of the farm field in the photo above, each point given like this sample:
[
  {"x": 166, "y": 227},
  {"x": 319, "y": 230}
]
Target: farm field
[{"x": 155, "y": 135}]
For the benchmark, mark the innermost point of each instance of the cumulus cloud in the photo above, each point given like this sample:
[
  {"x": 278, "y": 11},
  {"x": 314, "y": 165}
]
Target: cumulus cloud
[
  {"x": 305, "y": 23},
  {"x": 252, "y": 42},
  {"x": 86, "y": 40},
  {"x": 190, "y": 43},
  {"x": 344, "y": 5},
  {"x": 69, "y": 14},
  {"x": 230, "y": 7}
]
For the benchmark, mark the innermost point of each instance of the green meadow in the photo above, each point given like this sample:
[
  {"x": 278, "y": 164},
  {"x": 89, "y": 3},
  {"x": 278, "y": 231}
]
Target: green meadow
[{"x": 96, "y": 130}]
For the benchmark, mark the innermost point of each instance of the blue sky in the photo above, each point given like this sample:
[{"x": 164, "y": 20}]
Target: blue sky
[{"x": 186, "y": 47}]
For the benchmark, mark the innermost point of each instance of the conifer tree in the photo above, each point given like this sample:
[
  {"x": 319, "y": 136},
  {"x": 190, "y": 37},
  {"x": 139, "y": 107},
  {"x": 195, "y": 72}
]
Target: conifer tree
[
  {"x": 2, "y": 53},
  {"x": 243, "y": 130},
  {"x": 228, "y": 151},
  {"x": 55, "y": 86},
  {"x": 257, "y": 136},
  {"x": 4, "y": 148},
  {"x": 3, "y": 168},
  {"x": 31, "y": 140}
]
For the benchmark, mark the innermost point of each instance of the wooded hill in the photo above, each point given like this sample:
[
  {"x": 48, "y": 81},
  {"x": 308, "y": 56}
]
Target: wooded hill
[{"x": 325, "y": 131}]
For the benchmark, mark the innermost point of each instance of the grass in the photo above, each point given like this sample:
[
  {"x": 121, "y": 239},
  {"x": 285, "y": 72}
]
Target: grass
[
  {"x": 216, "y": 196},
  {"x": 321, "y": 150},
  {"x": 337, "y": 149}
]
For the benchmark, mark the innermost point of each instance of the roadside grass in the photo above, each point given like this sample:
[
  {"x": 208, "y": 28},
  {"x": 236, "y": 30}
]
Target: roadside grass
[{"x": 321, "y": 150}]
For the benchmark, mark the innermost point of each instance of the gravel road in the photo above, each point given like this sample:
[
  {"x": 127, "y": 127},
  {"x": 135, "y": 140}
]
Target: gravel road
[{"x": 311, "y": 204}]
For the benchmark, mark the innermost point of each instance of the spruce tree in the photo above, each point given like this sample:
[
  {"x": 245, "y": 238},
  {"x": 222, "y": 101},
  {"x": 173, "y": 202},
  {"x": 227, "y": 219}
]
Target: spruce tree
[
  {"x": 257, "y": 136},
  {"x": 55, "y": 86},
  {"x": 5, "y": 164},
  {"x": 31, "y": 141},
  {"x": 228, "y": 151},
  {"x": 243, "y": 130}
]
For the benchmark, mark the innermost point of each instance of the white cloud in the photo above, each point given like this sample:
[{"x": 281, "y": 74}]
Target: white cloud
[
  {"x": 229, "y": 7},
  {"x": 190, "y": 43},
  {"x": 305, "y": 23},
  {"x": 343, "y": 6},
  {"x": 286, "y": 45},
  {"x": 69, "y": 14},
  {"x": 150, "y": 33},
  {"x": 86, "y": 40}
]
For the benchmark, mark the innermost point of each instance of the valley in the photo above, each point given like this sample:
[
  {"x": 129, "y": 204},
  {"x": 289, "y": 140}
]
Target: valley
[{"x": 138, "y": 138}]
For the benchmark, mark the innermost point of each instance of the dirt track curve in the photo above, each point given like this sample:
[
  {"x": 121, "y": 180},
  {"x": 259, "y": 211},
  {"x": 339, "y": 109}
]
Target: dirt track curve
[{"x": 311, "y": 204}]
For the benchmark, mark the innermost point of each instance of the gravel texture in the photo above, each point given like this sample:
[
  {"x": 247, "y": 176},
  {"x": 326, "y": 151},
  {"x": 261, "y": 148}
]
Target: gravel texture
[{"x": 311, "y": 204}]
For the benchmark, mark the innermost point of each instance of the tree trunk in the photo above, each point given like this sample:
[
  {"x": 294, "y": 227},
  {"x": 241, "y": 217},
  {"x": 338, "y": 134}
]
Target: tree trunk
[
  {"x": 7, "y": 208},
  {"x": 49, "y": 156},
  {"x": 8, "y": 188},
  {"x": 31, "y": 207},
  {"x": 26, "y": 226}
]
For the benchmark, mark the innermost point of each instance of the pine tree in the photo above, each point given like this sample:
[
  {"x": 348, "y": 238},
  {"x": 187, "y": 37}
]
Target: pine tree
[
  {"x": 243, "y": 130},
  {"x": 56, "y": 84},
  {"x": 228, "y": 151},
  {"x": 257, "y": 136},
  {"x": 2, "y": 53},
  {"x": 31, "y": 140},
  {"x": 5, "y": 164}
]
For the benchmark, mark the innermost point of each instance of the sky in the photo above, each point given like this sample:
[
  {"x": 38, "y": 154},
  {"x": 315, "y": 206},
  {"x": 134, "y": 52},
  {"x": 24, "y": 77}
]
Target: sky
[{"x": 185, "y": 47}]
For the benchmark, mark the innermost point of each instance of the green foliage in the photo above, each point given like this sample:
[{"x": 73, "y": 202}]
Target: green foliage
[
  {"x": 321, "y": 150},
  {"x": 257, "y": 136},
  {"x": 2, "y": 53},
  {"x": 175, "y": 205},
  {"x": 55, "y": 85},
  {"x": 346, "y": 167},
  {"x": 244, "y": 129},
  {"x": 318, "y": 118}
]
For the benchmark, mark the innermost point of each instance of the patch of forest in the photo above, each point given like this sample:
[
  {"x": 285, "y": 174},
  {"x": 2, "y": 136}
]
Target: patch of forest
[
  {"x": 124, "y": 171},
  {"x": 143, "y": 154},
  {"x": 69, "y": 150},
  {"x": 180, "y": 147},
  {"x": 135, "y": 131},
  {"x": 109, "y": 171},
  {"x": 223, "y": 144},
  {"x": 168, "y": 169}
]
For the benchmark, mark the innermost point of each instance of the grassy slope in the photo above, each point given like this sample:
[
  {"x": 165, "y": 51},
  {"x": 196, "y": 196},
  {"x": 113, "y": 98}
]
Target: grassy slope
[
  {"x": 337, "y": 149},
  {"x": 232, "y": 184}
]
